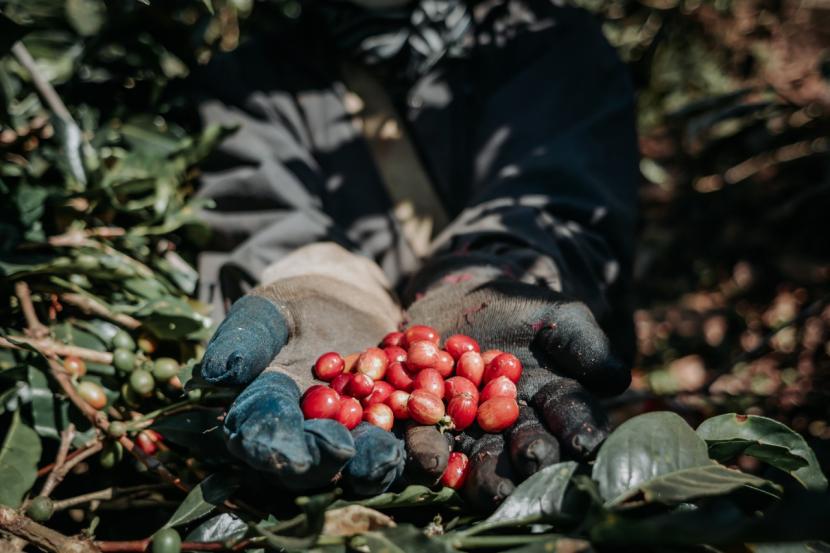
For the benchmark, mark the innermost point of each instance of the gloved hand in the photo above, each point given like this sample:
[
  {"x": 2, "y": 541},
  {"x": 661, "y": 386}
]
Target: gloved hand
[
  {"x": 564, "y": 353},
  {"x": 320, "y": 298}
]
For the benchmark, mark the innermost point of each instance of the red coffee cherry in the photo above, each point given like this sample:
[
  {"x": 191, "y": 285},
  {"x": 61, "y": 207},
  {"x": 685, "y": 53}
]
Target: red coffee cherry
[
  {"x": 462, "y": 410},
  {"x": 380, "y": 415},
  {"x": 380, "y": 392},
  {"x": 497, "y": 414},
  {"x": 418, "y": 333},
  {"x": 147, "y": 441},
  {"x": 395, "y": 354},
  {"x": 458, "y": 344},
  {"x": 457, "y": 469},
  {"x": 431, "y": 381},
  {"x": 499, "y": 387},
  {"x": 340, "y": 382},
  {"x": 505, "y": 364},
  {"x": 372, "y": 363},
  {"x": 349, "y": 412},
  {"x": 424, "y": 407},
  {"x": 351, "y": 361},
  {"x": 360, "y": 385},
  {"x": 328, "y": 366},
  {"x": 393, "y": 339},
  {"x": 445, "y": 364},
  {"x": 397, "y": 376},
  {"x": 422, "y": 355},
  {"x": 397, "y": 401},
  {"x": 471, "y": 366},
  {"x": 92, "y": 393},
  {"x": 490, "y": 354},
  {"x": 74, "y": 365},
  {"x": 460, "y": 385},
  {"x": 320, "y": 403}
]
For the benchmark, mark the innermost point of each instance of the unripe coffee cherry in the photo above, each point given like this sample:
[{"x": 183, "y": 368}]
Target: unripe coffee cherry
[
  {"x": 372, "y": 363},
  {"x": 497, "y": 414},
  {"x": 349, "y": 412},
  {"x": 380, "y": 415},
  {"x": 350, "y": 361},
  {"x": 489, "y": 355},
  {"x": 123, "y": 340},
  {"x": 395, "y": 354},
  {"x": 74, "y": 365},
  {"x": 93, "y": 394},
  {"x": 165, "y": 368},
  {"x": 320, "y": 403},
  {"x": 380, "y": 391},
  {"x": 457, "y": 469},
  {"x": 418, "y": 333},
  {"x": 424, "y": 407},
  {"x": 40, "y": 509},
  {"x": 393, "y": 339},
  {"x": 431, "y": 381},
  {"x": 505, "y": 364},
  {"x": 340, "y": 383},
  {"x": 459, "y": 385},
  {"x": 142, "y": 382},
  {"x": 360, "y": 386},
  {"x": 116, "y": 429},
  {"x": 462, "y": 410},
  {"x": 422, "y": 355},
  {"x": 445, "y": 364},
  {"x": 397, "y": 376},
  {"x": 123, "y": 359},
  {"x": 167, "y": 540},
  {"x": 328, "y": 366},
  {"x": 397, "y": 401},
  {"x": 499, "y": 387},
  {"x": 111, "y": 454},
  {"x": 459, "y": 344},
  {"x": 471, "y": 366}
]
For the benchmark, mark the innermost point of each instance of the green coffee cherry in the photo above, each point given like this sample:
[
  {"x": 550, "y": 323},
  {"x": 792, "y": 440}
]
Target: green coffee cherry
[
  {"x": 142, "y": 382},
  {"x": 123, "y": 359},
  {"x": 111, "y": 454},
  {"x": 122, "y": 340},
  {"x": 117, "y": 429},
  {"x": 165, "y": 368},
  {"x": 40, "y": 509},
  {"x": 167, "y": 540}
]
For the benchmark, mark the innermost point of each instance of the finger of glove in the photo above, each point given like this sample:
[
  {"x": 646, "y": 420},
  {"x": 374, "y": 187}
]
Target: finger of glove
[
  {"x": 331, "y": 446},
  {"x": 532, "y": 447},
  {"x": 577, "y": 346},
  {"x": 427, "y": 454},
  {"x": 573, "y": 415},
  {"x": 264, "y": 427},
  {"x": 491, "y": 477},
  {"x": 378, "y": 461},
  {"x": 250, "y": 336}
]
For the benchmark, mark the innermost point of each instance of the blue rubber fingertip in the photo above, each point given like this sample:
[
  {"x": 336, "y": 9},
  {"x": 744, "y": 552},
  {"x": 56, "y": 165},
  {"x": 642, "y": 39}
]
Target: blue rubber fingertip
[
  {"x": 264, "y": 427},
  {"x": 331, "y": 446},
  {"x": 250, "y": 336},
  {"x": 378, "y": 461}
]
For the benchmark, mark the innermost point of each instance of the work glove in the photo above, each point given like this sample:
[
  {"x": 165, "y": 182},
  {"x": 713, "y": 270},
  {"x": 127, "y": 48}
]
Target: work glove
[
  {"x": 320, "y": 298},
  {"x": 567, "y": 359}
]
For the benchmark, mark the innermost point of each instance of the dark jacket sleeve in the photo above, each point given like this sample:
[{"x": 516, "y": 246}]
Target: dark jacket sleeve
[{"x": 554, "y": 173}]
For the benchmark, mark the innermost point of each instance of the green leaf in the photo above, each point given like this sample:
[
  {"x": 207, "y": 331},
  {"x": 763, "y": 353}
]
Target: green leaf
[
  {"x": 43, "y": 404},
  {"x": 400, "y": 539},
  {"x": 693, "y": 483},
  {"x": 199, "y": 431},
  {"x": 171, "y": 318},
  {"x": 645, "y": 447},
  {"x": 222, "y": 527},
  {"x": 19, "y": 456},
  {"x": 540, "y": 496},
  {"x": 204, "y": 498},
  {"x": 86, "y": 16},
  {"x": 411, "y": 496},
  {"x": 765, "y": 439}
]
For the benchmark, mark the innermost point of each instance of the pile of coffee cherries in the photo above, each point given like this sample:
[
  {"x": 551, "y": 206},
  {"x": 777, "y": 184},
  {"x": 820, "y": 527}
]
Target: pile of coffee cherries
[{"x": 409, "y": 377}]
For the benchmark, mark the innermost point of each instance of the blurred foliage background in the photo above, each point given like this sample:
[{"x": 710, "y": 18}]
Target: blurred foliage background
[{"x": 733, "y": 266}]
